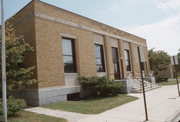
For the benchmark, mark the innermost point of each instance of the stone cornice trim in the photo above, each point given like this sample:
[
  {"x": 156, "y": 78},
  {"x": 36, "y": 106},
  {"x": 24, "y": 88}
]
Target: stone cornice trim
[{"x": 44, "y": 16}]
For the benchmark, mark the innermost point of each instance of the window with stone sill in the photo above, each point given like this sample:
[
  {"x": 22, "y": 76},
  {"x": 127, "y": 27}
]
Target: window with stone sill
[
  {"x": 69, "y": 55},
  {"x": 127, "y": 60},
  {"x": 100, "y": 67}
]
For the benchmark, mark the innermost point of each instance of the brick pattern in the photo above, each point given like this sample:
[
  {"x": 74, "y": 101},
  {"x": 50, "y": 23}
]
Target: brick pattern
[
  {"x": 109, "y": 62},
  {"x": 24, "y": 25},
  {"x": 45, "y": 36},
  {"x": 69, "y": 16}
]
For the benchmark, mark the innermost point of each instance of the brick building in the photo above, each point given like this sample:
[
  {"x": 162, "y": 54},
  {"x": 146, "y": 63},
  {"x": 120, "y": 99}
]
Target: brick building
[{"x": 68, "y": 45}]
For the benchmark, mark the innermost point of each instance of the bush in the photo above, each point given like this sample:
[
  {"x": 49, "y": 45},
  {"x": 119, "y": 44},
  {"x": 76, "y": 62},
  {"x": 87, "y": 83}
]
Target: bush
[
  {"x": 13, "y": 105},
  {"x": 88, "y": 81},
  {"x": 100, "y": 86},
  {"x": 161, "y": 78},
  {"x": 113, "y": 88}
]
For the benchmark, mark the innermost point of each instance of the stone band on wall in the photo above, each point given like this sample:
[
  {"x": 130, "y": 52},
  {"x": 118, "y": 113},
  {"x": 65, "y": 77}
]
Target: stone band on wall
[
  {"x": 45, "y": 96},
  {"x": 44, "y": 16}
]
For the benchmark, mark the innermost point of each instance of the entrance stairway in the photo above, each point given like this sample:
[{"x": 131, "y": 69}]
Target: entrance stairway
[{"x": 137, "y": 85}]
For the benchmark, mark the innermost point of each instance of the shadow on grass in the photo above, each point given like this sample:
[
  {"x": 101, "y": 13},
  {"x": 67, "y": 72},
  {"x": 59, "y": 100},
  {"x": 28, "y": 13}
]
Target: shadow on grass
[{"x": 99, "y": 98}]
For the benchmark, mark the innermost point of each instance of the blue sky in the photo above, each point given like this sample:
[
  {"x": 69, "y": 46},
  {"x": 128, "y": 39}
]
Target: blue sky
[{"x": 158, "y": 21}]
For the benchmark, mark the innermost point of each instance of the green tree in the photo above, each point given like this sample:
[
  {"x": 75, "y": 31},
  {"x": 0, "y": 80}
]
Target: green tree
[
  {"x": 18, "y": 74},
  {"x": 159, "y": 60}
]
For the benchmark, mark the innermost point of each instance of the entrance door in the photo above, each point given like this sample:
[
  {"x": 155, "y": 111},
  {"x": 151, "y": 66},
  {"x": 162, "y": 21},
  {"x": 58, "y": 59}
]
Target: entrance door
[{"x": 116, "y": 63}]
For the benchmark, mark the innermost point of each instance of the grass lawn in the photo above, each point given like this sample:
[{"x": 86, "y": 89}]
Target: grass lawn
[
  {"x": 24, "y": 116},
  {"x": 170, "y": 82},
  {"x": 92, "y": 106}
]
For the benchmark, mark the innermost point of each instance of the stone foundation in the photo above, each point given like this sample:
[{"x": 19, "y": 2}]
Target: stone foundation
[
  {"x": 127, "y": 85},
  {"x": 45, "y": 96}
]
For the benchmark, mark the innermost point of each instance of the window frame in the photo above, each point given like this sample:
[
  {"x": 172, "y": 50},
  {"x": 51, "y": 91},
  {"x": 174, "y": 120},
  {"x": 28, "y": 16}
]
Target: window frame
[
  {"x": 73, "y": 55},
  {"x": 142, "y": 66},
  {"x": 116, "y": 60},
  {"x": 101, "y": 58},
  {"x": 128, "y": 67}
]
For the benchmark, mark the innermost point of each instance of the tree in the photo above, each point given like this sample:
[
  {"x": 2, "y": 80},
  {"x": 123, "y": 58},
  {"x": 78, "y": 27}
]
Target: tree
[
  {"x": 18, "y": 74},
  {"x": 159, "y": 60}
]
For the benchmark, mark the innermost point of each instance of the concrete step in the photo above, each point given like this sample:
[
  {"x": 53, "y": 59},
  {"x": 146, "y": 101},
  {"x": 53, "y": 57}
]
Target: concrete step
[
  {"x": 139, "y": 90},
  {"x": 146, "y": 86},
  {"x": 137, "y": 86}
]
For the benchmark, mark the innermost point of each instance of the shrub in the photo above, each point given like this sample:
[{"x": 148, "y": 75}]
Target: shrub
[
  {"x": 161, "y": 78},
  {"x": 113, "y": 88},
  {"x": 13, "y": 105},
  {"x": 100, "y": 86},
  {"x": 88, "y": 81}
]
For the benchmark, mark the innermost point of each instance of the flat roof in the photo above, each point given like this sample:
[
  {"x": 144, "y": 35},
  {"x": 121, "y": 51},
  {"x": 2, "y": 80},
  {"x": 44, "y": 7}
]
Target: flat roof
[{"x": 79, "y": 16}]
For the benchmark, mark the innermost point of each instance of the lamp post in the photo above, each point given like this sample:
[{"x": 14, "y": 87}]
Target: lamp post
[{"x": 3, "y": 57}]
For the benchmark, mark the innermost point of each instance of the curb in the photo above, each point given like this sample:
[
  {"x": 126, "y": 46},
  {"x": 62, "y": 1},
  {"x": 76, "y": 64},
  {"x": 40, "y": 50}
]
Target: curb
[{"x": 173, "y": 117}]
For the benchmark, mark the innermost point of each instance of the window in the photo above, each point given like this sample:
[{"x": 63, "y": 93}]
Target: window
[
  {"x": 99, "y": 58},
  {"x": 142, "y": 66},
  {"x": 116, "y": 63},
  {"x": 68, "y": 55},
  {"x": 127, "y": 60}
]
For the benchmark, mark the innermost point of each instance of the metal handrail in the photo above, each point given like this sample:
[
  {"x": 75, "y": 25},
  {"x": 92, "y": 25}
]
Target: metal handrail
[{"x": 139, "y": 79}]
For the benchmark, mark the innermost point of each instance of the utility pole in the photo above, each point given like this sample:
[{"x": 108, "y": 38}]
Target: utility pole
[
  {"x": 144, "y": 95},
  {"x": 174, "y": 62},
  {"x": 3, "y": 57}
]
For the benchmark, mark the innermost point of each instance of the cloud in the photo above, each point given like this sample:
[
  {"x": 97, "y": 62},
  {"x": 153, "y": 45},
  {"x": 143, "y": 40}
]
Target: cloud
[
  {"x": 121, "y": 5},
  {"x": 117, "y": 5},
  {"x": 163, "y": 35},
  {"x": 161, "y": 4},
  {"x": 166, "y": 4}
]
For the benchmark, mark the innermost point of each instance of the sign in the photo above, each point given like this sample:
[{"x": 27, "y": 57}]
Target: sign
[
  {"x": 174, "y": 60},
  {"x": 136, "y": 54},
  {"x": 141, "y": 51}
]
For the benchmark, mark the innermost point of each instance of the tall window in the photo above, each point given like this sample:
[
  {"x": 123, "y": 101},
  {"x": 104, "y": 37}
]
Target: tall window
[
  {"x": 142, "y": 66},
  {"x": 69, "y": 55},
  {"x": 116, "y": 63},
  {"x": 127, "y": 60},
  {"x": 99, "y": 58}
]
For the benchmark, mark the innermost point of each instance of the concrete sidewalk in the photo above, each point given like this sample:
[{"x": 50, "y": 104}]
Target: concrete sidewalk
[
  {"x": 163, "y": 104},
  {"x": 70, "y": 116}
]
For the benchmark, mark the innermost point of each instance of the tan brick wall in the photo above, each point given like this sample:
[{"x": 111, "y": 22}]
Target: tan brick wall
[
  {"x": 69, "y": 16},
  {"x": 109, "y": 61},
  {"x": 24, "y": 25},
  {"x": 50, "y": 56},
  {"x": 45, "y": 36},
  {"x": 135, "y": 62},
  {"x": 122, "y": 62},
  {"x": 147, "y": 65},
  {"x": 87, "y": 62}
]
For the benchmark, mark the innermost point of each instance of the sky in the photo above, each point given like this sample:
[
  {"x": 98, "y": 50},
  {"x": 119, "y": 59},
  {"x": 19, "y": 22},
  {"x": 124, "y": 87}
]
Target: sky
[{"x": 158, "y": 21}]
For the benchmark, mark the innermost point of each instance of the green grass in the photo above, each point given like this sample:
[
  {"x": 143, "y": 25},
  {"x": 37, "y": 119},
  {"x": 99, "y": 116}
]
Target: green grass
[
  {"x": 24, "y": 116},
  {"x": 170, "y": 82},
  {"x": 92, "y": 106}
]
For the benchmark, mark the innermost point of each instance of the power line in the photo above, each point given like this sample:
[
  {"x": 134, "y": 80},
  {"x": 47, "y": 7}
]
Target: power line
[{"x": 172, "y": 10}]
